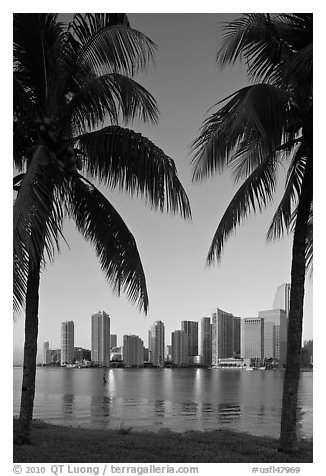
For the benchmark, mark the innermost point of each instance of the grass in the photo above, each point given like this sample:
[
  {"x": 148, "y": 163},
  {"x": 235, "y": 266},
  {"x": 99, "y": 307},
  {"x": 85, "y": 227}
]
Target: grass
[{"x": 59, "y": 444}]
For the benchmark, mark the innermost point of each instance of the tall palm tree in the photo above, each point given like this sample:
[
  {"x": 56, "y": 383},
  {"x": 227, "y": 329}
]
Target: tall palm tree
[
  {"x": 67, "y": 81},
  {"x": 260, "y": 128}
]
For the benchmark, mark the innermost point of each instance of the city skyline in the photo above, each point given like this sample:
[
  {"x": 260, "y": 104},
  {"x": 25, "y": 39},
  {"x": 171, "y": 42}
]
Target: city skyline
[{"x": 173, "y": 251}]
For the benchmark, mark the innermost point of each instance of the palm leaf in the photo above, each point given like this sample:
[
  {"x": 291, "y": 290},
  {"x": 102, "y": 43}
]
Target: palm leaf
[
  {"x": 110, "y": 95},
  {"x": 37, "y": 219},
  {"x": 123, "y": 158},
  {"x": 114, "y": 244},
  {"x": 251, "y": 125},
  {"x": 254, "y": 194},
  {"x": 118, "y": 48}
]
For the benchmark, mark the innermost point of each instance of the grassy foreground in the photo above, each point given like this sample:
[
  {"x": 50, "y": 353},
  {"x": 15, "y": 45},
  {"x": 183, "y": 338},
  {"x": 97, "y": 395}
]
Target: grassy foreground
[{"x": 59, "y": 444}]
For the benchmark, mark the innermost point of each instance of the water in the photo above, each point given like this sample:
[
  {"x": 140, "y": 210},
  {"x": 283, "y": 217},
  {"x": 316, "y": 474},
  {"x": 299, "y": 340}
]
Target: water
[{"x": 179, "y": 399}]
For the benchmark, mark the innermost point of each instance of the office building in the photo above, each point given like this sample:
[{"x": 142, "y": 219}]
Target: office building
[
  {"x": 67, "y": 342},
  {"x": 113, "y": 341},
  {"x": 46, "y": 353},
  {"x": 205, "y": 341},
  {"x": 100, "y": 351},
  {"x": 252, "y": 338},
  {"x": 225, "y": 336},
  {"x": 133, "y": 351},
  {"x": 180, "y": 350},
  {"x": 191, "y": 329},
  {"x": 275, "y": 334},
  {"x": 282, "y": 298},
  {"x": 156, "y": 344}
]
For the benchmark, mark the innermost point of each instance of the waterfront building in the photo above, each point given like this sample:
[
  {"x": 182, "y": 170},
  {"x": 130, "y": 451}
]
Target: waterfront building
[
  {"x": 205, "y": 341},
  {"x": 67, "y": 342},
  {"x": 168, "y": 353},
  {"x": 225, "y": 336},
  {"x": 180, "y": 349},
  {"x": 100, "y": 351},
  {"x": 113, "y": 341},
  {"x": 116, "y": 354},
  {"x": 133, "y": 351},
  {"x": 282, "y": 298},
  {"x": 156, "y": 344},
  {"x": 191, "y": 329},
  {"x": 275, "y": 334},
  {"x": 82, "y": 354},
  {"x": 46, "y": 353},
  {"x": 252, "y": 338}
]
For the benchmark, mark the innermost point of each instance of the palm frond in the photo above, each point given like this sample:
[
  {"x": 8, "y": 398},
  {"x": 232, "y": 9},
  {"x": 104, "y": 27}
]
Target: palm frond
[
  {"x": 253, "y": 195},
  {"x": 251, "y": 125},
  {"x": 118, "y": 48},
  {"x": 123, "y": 158},
  {"x": 282, "y": 218},
  {"x": 114, "y": 244},
  {"x": 37, "y": 219},
  {"x": 110, "y": 95}
]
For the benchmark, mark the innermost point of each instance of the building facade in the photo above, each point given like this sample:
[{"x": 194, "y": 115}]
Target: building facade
[
  {"x": 113, "y": 341},
  {"x": 156, "y": 344},
  {"x": 282, "y": 298},
  {"x": 225, "y": 336},
  {"x": 133, "y": 351},
  {"x": 46, "y": 353},
  {"x": 67, "y": 342},
  {"x": 191, "y": 330},
  {"x": 180, "y": 349},
  {"x": 275, "y": 334},
  {"x": 100, "y": 351},
  {"x": 205, "y": 341},
  {"x": 252, "y": 338}
]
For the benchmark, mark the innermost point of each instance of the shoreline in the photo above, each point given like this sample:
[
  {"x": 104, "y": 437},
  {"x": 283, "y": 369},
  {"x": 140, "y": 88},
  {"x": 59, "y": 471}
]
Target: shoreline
[{"x": 65, "y": 444}]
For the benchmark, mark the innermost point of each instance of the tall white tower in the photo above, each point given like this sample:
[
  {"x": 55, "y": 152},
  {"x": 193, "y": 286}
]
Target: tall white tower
[{"x": 100, "y": 351}]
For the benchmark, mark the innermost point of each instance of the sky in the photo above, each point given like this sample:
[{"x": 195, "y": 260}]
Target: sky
[{"x": 186, "y": 82}]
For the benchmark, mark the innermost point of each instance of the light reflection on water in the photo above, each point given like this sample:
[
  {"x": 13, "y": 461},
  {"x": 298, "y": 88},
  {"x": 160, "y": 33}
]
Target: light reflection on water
[{"x": 180, "y": 399}]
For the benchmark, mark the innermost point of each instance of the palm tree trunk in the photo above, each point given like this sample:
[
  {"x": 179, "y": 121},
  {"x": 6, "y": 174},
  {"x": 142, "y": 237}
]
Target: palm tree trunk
[
  {"x": 292, "y": 371},
  {"x": 30, "y": 351}
]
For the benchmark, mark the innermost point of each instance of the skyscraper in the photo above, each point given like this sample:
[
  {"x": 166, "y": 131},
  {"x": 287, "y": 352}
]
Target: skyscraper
[
  {"x": 180, "y": 351},
  {"x": 100, "y": 351},
  {"x": 275, "y": 334},
  {"x": 133, "y": 351},
  {"x": 156, "y": 344},
  {"x": 205, "y": 341},
  {"x": 46, "y": 353},
  {"x": 67, "y": 342},
  {"x": 113, "y": 341},
  {"x": 252, "y": 338},
  {"x": 225, "y": 336},
  {"x": 282, "y": 298},
  {"x": 191, "y": 329}
]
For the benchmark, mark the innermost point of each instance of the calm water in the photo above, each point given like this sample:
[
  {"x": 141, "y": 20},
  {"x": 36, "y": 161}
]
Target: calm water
[{"x": 180, "y": 399}]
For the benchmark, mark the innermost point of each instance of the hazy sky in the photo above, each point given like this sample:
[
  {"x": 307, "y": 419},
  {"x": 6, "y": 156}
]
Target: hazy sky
[{"x": 186, "y": 82}]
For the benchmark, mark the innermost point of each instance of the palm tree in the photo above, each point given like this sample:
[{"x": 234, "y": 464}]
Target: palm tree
[
  {"x": 67, "y": 81},
  {"x": 260, "y": 128}
]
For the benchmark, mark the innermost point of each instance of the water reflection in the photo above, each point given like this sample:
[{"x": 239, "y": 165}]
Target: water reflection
[
  {"x": 159, "y": 408},
  {"x": 68, "y": 404},
  {"x": 176, "y": 398},
  {"x": 227, "y": 413}
]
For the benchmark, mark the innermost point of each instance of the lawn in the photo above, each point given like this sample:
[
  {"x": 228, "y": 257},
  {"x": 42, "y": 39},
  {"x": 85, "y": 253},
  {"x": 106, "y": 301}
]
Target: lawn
[{"x": 59, "y": 444}]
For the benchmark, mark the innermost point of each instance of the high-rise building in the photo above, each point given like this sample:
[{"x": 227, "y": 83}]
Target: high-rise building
[
  {"x": 180, "y": 352},
  {"x": 282, "y": 298},
  {"x": 205, "y": 341},
  {"x": 275, "y": 334},
  {"x": 252, "y": 338},
  {"x": 46, "y": 353},
  {"x": 100, "y": 351},
  {"x": 191, "y": 329},
  {"x": 133, "y": 351},
  {"x": 113, "y": 341},
  {"x": 67, "y": 342},
  {"x": 225, "y": 336},
  {"x": 156, "y": 344}
]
